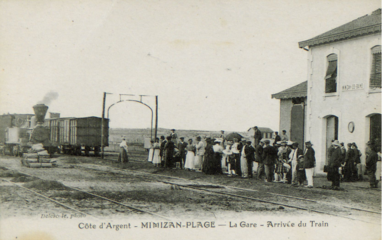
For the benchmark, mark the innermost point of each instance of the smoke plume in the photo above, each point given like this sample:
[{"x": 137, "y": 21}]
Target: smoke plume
[{"x": 48, "y": 98}]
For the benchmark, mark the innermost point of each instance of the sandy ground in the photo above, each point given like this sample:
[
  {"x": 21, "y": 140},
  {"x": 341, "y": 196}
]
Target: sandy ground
[{"x": 139, "y": 184}]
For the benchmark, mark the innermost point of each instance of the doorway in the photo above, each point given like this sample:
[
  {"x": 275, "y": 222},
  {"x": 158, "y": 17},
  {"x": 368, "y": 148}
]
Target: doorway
[
  {"x": 297, "y": 125},
  {"x": 331, "y": 133},
  {"x": 375, "y": 128}
]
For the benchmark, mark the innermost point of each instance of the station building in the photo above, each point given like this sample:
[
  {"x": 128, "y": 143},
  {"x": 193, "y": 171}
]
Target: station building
[{"x": 343, "y": 90}]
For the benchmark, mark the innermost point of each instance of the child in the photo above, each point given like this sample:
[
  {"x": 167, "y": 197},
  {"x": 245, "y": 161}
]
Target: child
[{"x": 300, "y": 170}]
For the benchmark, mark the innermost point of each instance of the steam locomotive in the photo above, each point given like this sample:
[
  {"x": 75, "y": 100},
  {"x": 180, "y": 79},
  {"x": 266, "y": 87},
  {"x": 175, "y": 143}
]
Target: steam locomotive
[{"x": 18, "y": 132}]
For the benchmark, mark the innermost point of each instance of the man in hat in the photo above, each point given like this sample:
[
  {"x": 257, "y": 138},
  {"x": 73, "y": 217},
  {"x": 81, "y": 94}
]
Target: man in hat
[
  {"x": 309, "y": 163},
  {"x": 182, "y": 151},
  {"x": 169, "y": 149},
  {"x": 284, "y": 136},
  {"x": 348, "y": 163},
  {"x": 269, "y": 154},
  {"x": 277, "y": 138},
  {"x": 257, "y": 135},
  {"x": 293, "y": 157},
  {"x": 334, "y": 164},
  {"x": 371, "y": 166},
  {"x": 162, "y": 153},
  {"x": 259, "y": 160},
  {"x": 250, "y": 156},
  {"x": 174, "y": 136}
]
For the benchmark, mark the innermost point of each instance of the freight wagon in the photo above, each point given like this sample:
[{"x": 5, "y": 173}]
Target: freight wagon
[{"x": 74, "y": 135}]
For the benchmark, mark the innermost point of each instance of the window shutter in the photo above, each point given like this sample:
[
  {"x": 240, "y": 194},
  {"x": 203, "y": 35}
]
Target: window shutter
[
  {"x": 332, "y": 69},
  {"x": 375, "y": 76},
  {"x": 331, "y": 74}
]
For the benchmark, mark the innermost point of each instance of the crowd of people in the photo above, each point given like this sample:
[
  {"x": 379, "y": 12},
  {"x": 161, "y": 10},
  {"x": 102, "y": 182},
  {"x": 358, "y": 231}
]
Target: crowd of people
[{"x": 280, "y": 161}]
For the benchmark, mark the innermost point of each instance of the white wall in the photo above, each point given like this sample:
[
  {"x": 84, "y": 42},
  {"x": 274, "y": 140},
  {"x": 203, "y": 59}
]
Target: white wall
[{"x": 354, "y": 66}]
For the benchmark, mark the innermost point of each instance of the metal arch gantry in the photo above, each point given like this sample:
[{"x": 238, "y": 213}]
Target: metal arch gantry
[{"x": 129, "y": 100}]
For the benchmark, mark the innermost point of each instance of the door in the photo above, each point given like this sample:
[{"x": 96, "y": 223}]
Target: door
[
  {"x": 375, "y": 128},
  {"x": 297, "y": 125},
  {"x": 331, "y": 133}
]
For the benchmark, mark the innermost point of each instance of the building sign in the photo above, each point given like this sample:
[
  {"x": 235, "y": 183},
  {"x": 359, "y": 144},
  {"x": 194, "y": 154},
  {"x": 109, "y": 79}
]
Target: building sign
[{"x": 356, "y": 86}]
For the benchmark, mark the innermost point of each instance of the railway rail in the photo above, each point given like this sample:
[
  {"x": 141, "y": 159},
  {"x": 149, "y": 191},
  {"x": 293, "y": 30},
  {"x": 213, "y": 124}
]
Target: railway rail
[
  {"x": 138, "y": 161},
  {"x": 304, "y": 204},
  {"x": 131, "y": 208},
  {"x": 198, "y": 186}
]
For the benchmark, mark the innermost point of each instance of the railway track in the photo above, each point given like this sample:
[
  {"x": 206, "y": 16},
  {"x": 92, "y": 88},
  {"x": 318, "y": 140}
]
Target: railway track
[
  {"x": 47, "y": 198},
  {"x": 74, "y": 208},
  {"x": 112, "y": 159},
  {"x": 299, "y": 203}
]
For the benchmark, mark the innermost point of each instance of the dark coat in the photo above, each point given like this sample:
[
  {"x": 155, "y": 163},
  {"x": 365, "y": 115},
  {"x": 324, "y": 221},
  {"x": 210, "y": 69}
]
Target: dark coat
[
  {"x": 277, "y": 139},
  {"x": 163, "y": 144},
  {"x": 330, "y": 151},
  {"x": 356, "y": 156},
  {"x": 371, "y": 161},
  {"x": 259, "y": 154},
  {"x": 249, "y": 153},
  {"x": 269, "y": 155},
  {"x": 239, "y": 147},
  {"x": 169, "y": 149},
  {"x": 258, "y": 134},
  {"x": 182, "y": 148},
  {"x": 310, "y": 159},
  {"x": 335, "y": 159},
  {"x": 349, "y": 156}
]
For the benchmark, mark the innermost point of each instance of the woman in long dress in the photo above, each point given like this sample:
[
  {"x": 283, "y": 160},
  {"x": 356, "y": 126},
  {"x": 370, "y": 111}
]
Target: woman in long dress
[
  {"x": 151, "y": 151},
  {"x": 189, "y": 164},
  {"x": 123, "y": 149},
  {"x": 218, "y": 153},
  {"x": 243, "y": 161},
  {"x": 156, "y": 156},
  {"x": 209, "y": 158},
  {"x": 199, "y": 155}
]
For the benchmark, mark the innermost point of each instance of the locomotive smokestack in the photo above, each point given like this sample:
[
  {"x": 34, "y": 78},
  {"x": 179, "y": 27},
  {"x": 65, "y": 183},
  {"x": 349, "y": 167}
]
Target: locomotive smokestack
[{"x": 40, "y": 111}]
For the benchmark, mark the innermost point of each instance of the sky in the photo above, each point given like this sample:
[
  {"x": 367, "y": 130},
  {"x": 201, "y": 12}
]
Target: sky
[{"x": 213, "y": 64}]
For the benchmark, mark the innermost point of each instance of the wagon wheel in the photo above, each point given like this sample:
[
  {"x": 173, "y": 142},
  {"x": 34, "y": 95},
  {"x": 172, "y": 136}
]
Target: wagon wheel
[
  {"x": 87, "y": 150},
  {"x": 78, "y": 151},
  {"x": 96, "y": 151}
]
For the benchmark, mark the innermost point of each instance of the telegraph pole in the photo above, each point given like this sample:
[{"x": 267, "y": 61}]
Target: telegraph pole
[
  {"x": 102, "y": 125},
  {"x": 156, "y": 116}
]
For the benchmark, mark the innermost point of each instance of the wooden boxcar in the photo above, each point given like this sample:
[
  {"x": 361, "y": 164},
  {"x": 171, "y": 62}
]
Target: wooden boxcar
[{"x": 76, "y": 134}]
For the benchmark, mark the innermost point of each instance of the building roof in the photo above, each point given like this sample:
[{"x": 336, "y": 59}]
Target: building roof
[
  {"x": 368, "y": 24},
  {"x": 299, "y": 90},
  {"x": 265, "y": 130}
]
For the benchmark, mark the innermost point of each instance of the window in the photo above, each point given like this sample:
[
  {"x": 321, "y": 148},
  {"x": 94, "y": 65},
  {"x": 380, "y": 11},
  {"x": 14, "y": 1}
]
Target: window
[
  {"x": 331, "y": 74},
  {"x": 375, "y": 76}
]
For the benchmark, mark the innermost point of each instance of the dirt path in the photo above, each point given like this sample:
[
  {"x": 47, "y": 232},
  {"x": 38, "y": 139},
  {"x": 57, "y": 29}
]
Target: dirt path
[{"x": 139, "y": 187}]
